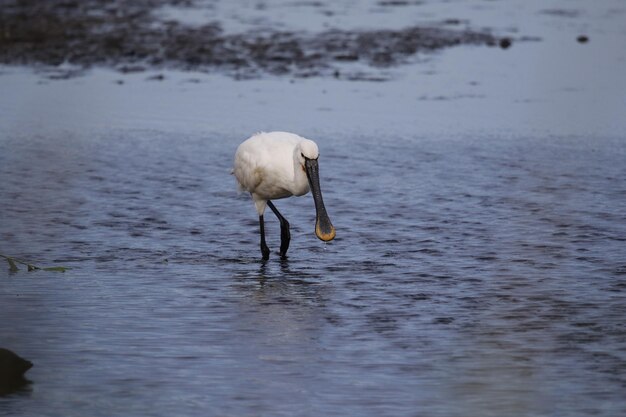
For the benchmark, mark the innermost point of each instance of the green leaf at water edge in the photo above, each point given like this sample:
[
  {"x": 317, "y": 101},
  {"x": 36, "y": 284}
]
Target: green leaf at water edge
[
  {"x": 14, "y": 261},
  {"x": 12, "y": 266},
  {"x": 56, "y": 268}
]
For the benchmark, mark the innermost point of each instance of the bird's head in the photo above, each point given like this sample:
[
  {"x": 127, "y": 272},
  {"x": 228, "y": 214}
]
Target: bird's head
[{"x": 307, "y": 149}]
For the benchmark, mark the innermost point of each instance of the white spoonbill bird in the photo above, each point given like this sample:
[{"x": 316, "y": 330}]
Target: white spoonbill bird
[{"x": 277, "y": 165}]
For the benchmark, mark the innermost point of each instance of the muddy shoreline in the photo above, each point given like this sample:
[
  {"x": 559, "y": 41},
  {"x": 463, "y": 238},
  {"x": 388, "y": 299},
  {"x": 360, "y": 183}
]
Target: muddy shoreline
[{"x": 130, "y": 37}]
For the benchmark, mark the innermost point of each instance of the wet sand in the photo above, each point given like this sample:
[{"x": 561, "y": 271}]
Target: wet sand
[{"x": 131, "y": 37}]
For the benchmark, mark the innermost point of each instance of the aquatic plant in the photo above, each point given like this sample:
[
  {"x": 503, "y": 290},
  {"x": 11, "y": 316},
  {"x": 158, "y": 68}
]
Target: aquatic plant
[{"x": 31, "y": 267}]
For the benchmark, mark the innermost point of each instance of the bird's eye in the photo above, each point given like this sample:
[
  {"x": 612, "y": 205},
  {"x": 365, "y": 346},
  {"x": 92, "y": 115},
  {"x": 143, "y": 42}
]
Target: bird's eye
[{"x": 301, "y": 153}]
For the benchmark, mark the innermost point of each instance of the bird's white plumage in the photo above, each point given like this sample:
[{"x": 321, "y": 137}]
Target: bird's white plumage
[{"x": 271, "y": 166}]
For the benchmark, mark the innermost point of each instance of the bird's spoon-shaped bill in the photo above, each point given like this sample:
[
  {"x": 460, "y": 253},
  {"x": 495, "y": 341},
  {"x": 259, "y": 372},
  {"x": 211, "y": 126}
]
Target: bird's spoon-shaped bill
[{"x": 324, "y": 229}]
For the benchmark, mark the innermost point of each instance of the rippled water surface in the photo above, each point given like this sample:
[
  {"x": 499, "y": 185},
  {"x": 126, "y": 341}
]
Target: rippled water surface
[
  {"x": 479, "y": 267},
  {"x": 486, "y": 276}
]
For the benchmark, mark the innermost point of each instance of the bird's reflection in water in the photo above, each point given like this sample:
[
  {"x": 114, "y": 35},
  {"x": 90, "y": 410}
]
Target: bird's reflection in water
[
  {"x": 293, "y": 276},
  {"x": 281, "y": 303},
  {"x": 277, "y": 334}
]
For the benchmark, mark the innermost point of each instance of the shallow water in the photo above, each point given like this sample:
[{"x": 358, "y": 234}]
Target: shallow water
[
  {"x": 466, "y": 275},
  {"x": 478, "y": 268}
]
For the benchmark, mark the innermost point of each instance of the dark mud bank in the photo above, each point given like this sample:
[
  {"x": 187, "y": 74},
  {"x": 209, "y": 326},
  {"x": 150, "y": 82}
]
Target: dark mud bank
[{"x": 130, "y": 37}]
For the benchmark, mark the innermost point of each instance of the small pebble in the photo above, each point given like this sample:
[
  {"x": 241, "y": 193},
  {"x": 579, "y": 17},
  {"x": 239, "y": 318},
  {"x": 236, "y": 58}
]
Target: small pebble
[
  {"x": 158, "y": 77},
  {"x": 505, "y": 43},
  {"x": 582, "y": 39}
]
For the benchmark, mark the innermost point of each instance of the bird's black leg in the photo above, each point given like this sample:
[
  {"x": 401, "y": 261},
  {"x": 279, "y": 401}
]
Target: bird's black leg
[
  {"x": 265, "y": 251},
  {"x": 285, "y": 235}
]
